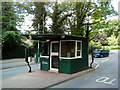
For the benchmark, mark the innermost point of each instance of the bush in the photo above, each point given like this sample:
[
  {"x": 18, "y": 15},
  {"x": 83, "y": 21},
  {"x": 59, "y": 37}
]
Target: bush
[
  {"x": 118, "y": 38},
  {"x": 12, "y": 45},
  {"x": 112, "y": 41}
]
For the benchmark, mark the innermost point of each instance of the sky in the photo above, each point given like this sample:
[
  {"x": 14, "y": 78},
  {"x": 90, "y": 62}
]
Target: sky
[
  {"x": 28, "y": 19},
  {"x": 115, "y": 5}
]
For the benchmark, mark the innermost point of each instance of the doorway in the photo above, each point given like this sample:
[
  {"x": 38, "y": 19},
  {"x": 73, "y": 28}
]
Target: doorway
[{"x": 54, "y": 57}]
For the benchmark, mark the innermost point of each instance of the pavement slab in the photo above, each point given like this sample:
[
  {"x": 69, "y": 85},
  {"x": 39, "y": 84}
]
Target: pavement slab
[{"x": 40, "y": 79}]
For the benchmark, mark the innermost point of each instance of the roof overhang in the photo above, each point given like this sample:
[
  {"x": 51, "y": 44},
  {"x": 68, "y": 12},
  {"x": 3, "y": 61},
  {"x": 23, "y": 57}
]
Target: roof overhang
[{"x": 52, "y": 37}]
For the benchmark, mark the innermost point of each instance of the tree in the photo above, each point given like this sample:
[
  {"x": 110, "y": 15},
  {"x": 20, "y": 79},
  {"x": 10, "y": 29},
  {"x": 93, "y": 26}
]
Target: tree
[
  {"x": 76, "y": 17},
  {"x": 118, "y": 39},
  {"x": 89, "y": 14},
  {"x": 81, "y": 10},
  {"x": 112, "y": 41},
  {"x": 112, "y": 28},
  {"x": 100, "y": 14},
  {"x": 40, "y": 16},
  {"x": 11, "y": 37},
  {"x": 58, "y": 16},
  {"x": 12, "y": 45},
  {"x": 9, "y": 18}
]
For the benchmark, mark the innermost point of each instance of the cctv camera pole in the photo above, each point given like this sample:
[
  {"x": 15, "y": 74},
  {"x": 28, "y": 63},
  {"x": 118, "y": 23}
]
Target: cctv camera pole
[{"x": 38, "y": 40}]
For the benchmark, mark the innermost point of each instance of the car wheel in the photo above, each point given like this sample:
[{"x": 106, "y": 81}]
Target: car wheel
[{"x": 101, "y": 56}]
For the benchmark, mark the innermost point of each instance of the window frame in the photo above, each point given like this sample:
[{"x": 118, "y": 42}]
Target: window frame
[
  {"x": 79, "y": 50},
  {"x": 76, "y": 57}
]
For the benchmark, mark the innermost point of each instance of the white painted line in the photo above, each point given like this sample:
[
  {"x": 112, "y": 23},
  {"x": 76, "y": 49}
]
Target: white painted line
[
  {"x": 110, "y": 82},
  {"x": 97, "y": 66},
  {"x": 105, "y": 80},
  {"x": 105, "y": 60},
  {"x": 102, "y": 79}
]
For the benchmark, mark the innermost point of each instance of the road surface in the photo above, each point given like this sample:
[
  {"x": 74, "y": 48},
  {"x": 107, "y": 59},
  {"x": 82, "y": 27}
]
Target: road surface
[
  {"x": 11, "y": 72},
  {"x": 105, "y": 76}
]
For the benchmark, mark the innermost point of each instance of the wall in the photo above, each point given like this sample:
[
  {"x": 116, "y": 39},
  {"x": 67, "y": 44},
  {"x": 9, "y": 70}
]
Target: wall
[{"x": 74, "y": 65}]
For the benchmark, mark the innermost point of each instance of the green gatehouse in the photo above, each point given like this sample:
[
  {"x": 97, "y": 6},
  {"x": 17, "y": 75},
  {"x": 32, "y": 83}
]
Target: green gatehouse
[{"x": 62, "y": 53}]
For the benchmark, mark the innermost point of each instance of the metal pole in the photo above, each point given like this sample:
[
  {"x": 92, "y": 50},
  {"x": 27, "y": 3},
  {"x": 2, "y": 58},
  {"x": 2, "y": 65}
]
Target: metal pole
[
  {"x": 38, "y": 40},
  {"x": 43, "y": 23}
]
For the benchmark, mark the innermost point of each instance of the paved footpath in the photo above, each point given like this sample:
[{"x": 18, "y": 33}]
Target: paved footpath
[
  {"x": 36, "y": 79},
  {"x": 40, "y": 79}
]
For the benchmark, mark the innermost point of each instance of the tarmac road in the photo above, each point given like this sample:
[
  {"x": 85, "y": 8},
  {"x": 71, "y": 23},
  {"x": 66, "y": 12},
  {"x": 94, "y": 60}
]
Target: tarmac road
[
  {"x": 8, "y": 73},
  {"x": 105, "y": 76}
]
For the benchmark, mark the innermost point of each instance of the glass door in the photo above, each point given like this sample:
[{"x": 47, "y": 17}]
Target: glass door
[{"x": 54, "y": 58}]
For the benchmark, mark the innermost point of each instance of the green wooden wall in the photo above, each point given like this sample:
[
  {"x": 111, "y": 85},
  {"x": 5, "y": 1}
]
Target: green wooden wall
[{"x": 75, "y": 65}]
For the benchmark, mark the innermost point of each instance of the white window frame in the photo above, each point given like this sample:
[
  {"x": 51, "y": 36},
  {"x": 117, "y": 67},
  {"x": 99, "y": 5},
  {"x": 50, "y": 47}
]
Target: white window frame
[
  {"x": 76, "y": 57},
  {"x": 79, "y": 50}
]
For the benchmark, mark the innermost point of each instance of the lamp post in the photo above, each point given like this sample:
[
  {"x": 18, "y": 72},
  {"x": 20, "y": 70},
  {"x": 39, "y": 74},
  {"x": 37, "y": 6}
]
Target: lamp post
[{"x": 38, "y": 40}]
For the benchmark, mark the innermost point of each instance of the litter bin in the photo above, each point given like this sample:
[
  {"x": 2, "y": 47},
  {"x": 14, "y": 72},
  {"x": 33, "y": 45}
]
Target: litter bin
[{"x": 36, "y": 57}]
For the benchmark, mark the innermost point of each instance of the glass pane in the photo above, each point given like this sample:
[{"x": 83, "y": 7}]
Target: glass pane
[
  {"x": 55, "y": 47},
  {"x": 68, "y": 48},
  {"x": 78, "y": 45},
  {"x": 78, "y": 53},
  {"x": 55, "y": 60},
  {"x": 45, "y": 50}
]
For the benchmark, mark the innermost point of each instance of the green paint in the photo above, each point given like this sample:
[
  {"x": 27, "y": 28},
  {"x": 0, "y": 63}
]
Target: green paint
[
  {"x": 70, "y": 66},
  {"x": 44, "y": 64}
]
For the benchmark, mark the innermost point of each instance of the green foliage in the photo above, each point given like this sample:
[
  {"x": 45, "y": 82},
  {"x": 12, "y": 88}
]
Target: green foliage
[
  {"x": 118, "y": 39},
  {"x": 94, "y": 45},
  {"x": 40, "y": 16},
  {"x": 12, "y": 45},
  {"x": 71, "y": 16},
  {"x": 59, "y": 16},
  {"x": 99, "y": 14},
  {"x": 89, "y": 14},
  {"x": 115, "y": 47},
  {"x": 11, "y": 39},
  {"x": 14, "y": 53},
  {"x": 107, "y": 48},
  {"x": 112, "y": 41},
  {"x": 112, "y": 28},
  {"x": 75, "y": 17},
  {"x": 9, "y": 18}
]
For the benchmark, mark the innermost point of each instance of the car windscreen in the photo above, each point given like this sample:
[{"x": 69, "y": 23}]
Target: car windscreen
[{"x": 97, "y": 51}]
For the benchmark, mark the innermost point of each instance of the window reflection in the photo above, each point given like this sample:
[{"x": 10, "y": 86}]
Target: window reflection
[
  {"x": 68, "y": 48},
  {"x": 55, "y": 47}
]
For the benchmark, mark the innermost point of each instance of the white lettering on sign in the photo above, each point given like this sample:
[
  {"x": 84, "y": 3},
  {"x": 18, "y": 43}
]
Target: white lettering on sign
[
  {"x": 43, "y": 62},
  {"x": 105, "y": 80}
]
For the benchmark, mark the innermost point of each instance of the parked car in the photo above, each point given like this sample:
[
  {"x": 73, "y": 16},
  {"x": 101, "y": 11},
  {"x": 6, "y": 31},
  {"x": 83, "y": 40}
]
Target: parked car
[{"x": 100, "y": 53}]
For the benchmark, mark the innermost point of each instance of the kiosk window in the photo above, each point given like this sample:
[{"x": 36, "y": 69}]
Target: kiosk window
[
  {"x": 71, "y": 49},
  {"x": 68, "y": 48},
  {"x": 45, "y": 49},
  {"x": 79, "y": 48},
  {"x": 55, "y": 47}
]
